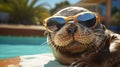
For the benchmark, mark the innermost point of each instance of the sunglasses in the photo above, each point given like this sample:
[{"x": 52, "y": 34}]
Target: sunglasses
[{"x": 55, "y": 23}]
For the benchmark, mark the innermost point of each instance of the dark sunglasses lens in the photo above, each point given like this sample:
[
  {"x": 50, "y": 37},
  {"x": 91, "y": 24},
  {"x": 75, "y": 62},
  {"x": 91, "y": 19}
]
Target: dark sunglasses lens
[
  {"x": 55, "y": 23},
  {"x": 87, "y": 19}
]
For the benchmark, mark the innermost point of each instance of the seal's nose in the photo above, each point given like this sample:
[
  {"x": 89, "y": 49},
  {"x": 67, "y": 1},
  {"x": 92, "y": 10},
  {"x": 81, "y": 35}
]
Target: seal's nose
[
  {"x": 72, "y": 30},
  {"x": 72, "y": 27}
]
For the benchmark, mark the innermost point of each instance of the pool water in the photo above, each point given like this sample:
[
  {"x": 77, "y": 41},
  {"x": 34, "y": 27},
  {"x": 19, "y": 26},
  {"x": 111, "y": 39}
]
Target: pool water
[{"x": 11, "y": 46}]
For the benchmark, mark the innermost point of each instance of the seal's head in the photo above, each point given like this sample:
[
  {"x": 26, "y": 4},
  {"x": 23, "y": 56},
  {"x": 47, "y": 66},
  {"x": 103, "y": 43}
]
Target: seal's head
[{"x": 73, "y": 30}]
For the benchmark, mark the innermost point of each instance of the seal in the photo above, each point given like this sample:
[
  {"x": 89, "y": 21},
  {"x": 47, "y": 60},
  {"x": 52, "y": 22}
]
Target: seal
[{"x": 78, "y": 39}]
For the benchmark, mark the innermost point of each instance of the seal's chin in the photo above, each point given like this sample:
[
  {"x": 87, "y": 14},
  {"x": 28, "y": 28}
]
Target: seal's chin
[
  {"x": 74, "y": 47},
  {"x": 74, "y": 43}
]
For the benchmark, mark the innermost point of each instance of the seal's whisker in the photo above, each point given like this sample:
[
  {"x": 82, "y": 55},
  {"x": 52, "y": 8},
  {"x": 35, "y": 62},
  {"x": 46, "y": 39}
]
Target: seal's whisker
[
  {"x": 50, "y": 42},
  {"x": 44, "y": 43}
]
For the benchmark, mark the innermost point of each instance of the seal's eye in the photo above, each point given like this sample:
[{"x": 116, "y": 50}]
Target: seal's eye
[
  {"x": 55, "y": 23},
  {"x": 87, "y": 19}
]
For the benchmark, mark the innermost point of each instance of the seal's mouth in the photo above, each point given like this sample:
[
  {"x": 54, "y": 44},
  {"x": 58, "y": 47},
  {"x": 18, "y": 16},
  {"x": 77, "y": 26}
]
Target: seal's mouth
[
  {"x": 74, "y": 47},
  {"x": 76, "y": 44}
]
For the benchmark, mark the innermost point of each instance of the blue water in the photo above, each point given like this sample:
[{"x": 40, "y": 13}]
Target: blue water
[{"x": 11, "y": 46}]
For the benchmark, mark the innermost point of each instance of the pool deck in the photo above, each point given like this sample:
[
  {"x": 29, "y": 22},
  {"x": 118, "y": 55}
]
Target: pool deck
[
  {"x": 21, "y": 30},
  {"x": 11, "y": 62}
]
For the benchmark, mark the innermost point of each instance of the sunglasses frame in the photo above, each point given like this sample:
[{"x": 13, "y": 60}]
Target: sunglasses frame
[{"x": 71, "y": 18}]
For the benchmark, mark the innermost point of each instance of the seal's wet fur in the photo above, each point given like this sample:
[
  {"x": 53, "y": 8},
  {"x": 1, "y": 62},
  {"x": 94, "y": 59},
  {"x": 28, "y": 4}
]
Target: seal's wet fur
[{"x": 86, "y": 47}]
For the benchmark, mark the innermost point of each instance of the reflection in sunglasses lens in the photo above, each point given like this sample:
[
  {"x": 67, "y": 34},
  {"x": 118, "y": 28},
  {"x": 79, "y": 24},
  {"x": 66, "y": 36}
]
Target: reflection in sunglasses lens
[
  {"x": 55, "y": 23},
  {"x": 87, "y": 19}
]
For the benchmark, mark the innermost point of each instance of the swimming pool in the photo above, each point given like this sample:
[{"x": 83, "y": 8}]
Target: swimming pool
[{"x": 13, "y": 46}]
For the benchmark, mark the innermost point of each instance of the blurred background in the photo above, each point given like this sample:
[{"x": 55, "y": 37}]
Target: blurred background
[{"x": 21, "y": 30}]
